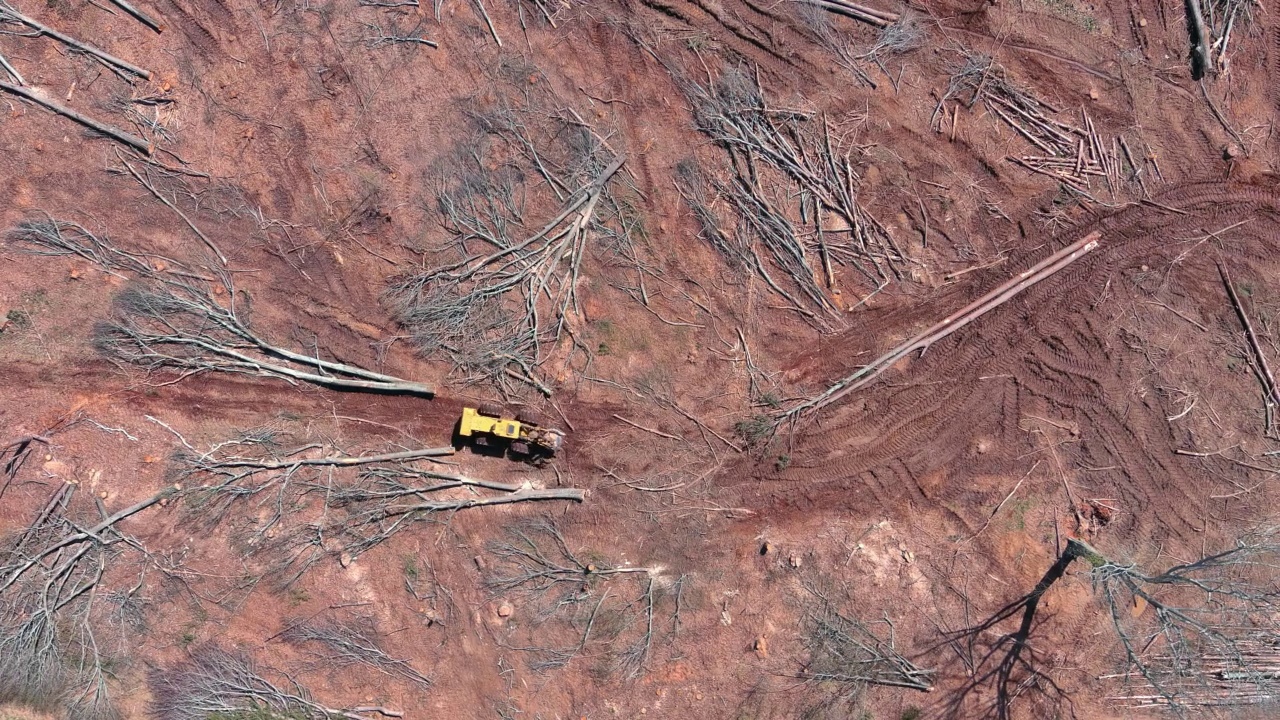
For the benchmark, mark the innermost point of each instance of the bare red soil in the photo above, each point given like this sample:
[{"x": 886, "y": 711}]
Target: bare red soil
[{"x": 1117, "y": 400}]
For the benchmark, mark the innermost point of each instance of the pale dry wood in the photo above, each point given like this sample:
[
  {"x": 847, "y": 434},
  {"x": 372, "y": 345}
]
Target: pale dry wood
[
  {"x": 86, "y": 535},
  {"x": 951, "y": 324},
  {"x": 1264, "y": 367},
  {"x": 13, "y": 72},
  {"x": 139, "y": 15},
  {"x": 10, "y": 13},
  {"x": 112, "y": 132},
  {"x": 650, "y": 430}
]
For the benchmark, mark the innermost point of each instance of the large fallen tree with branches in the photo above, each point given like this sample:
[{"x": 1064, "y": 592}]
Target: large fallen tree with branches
[
  {"x": 1198, "y": 634},
  {"x": 520, "y": 202},
  {"x": 315, "y": 500},
  {"x": 564, "y": 592},
  {"x": 793, "y": 189},
  {"x": 51, "y": 618},
  {"x": 218, "y": 683},
  {"x": 175, "y": 318}
]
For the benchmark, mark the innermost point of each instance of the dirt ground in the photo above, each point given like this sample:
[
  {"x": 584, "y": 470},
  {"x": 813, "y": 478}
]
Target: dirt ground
[{"x": 1117, "y": 401}]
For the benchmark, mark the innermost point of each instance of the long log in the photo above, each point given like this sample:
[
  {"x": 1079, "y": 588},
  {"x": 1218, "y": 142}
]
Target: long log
[
  {"x": 524, "y": 495},
  {"x": 4, "y": 62},
  {"x": 857, "y": 12},
  {"x": 139, "y": 15},
  {"x": 1199, "y": 35},
  {"x": 132, "y": 141},
  {"x": 102, "y": 55},
  {"x": 1264, "y": 367},
  {"x": 953, "y": 322},
  {"x": 348, "y": 461}
]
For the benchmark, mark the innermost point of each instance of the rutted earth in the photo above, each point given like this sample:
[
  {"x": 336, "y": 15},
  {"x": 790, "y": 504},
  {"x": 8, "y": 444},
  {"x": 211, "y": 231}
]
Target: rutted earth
[{"x": 1116, "y": 401}]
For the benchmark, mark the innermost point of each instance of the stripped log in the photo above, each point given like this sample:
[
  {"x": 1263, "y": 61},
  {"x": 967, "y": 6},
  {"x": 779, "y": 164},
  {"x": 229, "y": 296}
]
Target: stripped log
[
  {"x": 871, "y": 16},
  {"x": 527, "y": 494},
  {"x": 139, "y": 15},
  {"x": 114, "y": 133},
  {"x": 950, "y": 324},
  {"x": 348, "y": 461}
]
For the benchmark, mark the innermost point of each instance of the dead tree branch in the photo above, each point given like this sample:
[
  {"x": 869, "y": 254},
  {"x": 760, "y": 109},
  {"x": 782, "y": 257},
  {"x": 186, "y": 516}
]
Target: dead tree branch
[
  {"x": 1073, "y": 154},
  {"x": 139, "y": 15},
  {"x": 378, "y": 37},
  {"x": 1211, "y": 23},
  {"x": 60, "y": 238},
  {"x": 778, "y": 157},
  {"x": 1264, "y": 368},
  {"x": 844, "y": 651},
  {"x": 215, "y": 682},
  {"x": 49, "y": 577},
  {"x": 13, "y": 455},
  {"x": 352, "y": 644},
  {"x": 555, "y": 586},
  {"x": 897, "y": 38},
  {"x": 146, "y": 183},
  {"x": 488, "y": 21},
  {"x": 13, "y": 72},
  {"x": 296, "y": 499}
]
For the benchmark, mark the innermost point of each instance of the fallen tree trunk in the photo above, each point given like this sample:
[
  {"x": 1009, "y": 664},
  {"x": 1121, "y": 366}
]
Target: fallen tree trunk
[
  {"x": 871, "y": 16},
  {"x": 1264, "y": 368},
  {"x": 138, "y": 15},
  {"x": 523, "y": 495},
  {"x": 1199, "y": 39},
  {"x": 338, "y": 461},
  {"x": 132, "y": 141},
  {"x": 11, "y": 70},
  {"x": 244, "y": 362},
  {"x": 951, "y": 323},
  {"x": 7, "y": 12}
]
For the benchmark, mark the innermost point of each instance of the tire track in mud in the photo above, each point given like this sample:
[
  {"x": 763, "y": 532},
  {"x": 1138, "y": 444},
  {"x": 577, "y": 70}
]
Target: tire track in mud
[
  {"x": 1273, "y": 58},
  {"x": 1050, "y": 348},
  {"x": 202, "y": 39}
]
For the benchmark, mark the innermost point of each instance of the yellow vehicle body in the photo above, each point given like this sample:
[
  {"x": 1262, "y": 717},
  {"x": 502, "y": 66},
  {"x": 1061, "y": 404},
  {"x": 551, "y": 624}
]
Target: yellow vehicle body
[
  {"x": 524, "y": 436},
  {"x": 473, "y": 422}
]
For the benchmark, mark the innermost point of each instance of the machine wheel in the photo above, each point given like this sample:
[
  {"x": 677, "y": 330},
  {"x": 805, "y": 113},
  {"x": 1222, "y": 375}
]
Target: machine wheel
[
  {"x": 490, "y": 410},
  {"x": 529, "y": 417},
  {"x": 481, "y": 440},
  {"x": 520, "y": 447}
]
